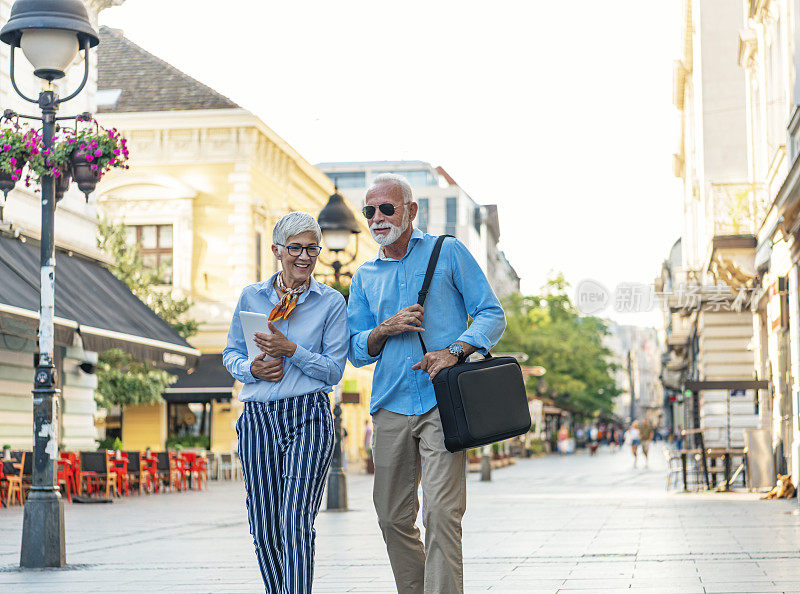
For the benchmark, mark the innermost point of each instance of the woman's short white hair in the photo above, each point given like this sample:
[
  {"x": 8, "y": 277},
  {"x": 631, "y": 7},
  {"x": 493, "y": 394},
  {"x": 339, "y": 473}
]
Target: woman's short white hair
[
  {"x": 293, "y": 224},
  {"x": 398, "y": 180}
]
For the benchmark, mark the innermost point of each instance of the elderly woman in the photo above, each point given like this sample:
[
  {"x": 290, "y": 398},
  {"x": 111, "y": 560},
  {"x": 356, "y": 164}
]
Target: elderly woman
[{"x": 286, "y": 429}]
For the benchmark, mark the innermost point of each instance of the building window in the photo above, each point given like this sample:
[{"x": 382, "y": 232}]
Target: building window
[
  {"x": 451, "y": 215},
  {"x": 258, "y": 256},
  {"x": 348, "y": 179},
  {"x": 191, "y": 418},
  {"x": 422, "y": 214},
  {"x": 477, "y": 219},
  {"x": 155, "y": 245}
]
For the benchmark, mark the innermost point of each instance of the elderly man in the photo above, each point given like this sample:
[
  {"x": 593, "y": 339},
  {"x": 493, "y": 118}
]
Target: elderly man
[{"x": 408, "y": 445}]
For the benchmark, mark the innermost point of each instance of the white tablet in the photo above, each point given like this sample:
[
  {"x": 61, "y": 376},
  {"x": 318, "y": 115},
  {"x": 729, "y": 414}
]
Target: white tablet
[{"x": 251, "y": 323}]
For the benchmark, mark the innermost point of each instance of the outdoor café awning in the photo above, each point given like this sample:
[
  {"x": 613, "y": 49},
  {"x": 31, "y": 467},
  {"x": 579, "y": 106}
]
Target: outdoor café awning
[
  {"x": 208, "y": 380},
  {"x": 92, "y": 306}
]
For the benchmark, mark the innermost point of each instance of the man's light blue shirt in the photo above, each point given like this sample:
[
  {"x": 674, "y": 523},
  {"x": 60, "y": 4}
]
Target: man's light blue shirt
[
  {"x": 381, "y": 287},
  {"x": 318, "y": 326}
]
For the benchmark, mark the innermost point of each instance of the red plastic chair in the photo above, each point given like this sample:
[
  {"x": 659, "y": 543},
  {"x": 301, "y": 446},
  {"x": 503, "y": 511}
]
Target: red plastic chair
[
  {"x": 64, "y": 475},
  {"x": 74, "y": 470},
  {"x": 120, "y": 468}
]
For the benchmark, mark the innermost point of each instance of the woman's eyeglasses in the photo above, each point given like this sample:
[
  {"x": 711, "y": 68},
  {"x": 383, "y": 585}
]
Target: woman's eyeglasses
[
  {"x": 386, "y": 208},
  {"x": 295, "y": 250}
]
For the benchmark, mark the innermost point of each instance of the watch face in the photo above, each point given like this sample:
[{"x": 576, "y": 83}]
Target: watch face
[{"x": 456, "y": 349}]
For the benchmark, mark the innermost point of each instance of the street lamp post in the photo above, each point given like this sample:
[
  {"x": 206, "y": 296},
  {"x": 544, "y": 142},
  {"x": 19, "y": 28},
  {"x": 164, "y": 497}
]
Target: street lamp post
[
  {"x": 50, "y": 33},
  {"x": 337, "y": 224}
]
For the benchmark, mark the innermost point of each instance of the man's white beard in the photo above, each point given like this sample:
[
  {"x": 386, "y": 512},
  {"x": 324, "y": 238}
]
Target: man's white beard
[{"x": 394, "y": 233}]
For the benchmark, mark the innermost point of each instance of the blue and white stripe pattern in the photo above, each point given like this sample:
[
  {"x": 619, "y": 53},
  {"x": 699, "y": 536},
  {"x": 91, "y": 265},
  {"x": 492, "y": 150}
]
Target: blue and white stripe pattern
[{"x": 285, "y": 447}]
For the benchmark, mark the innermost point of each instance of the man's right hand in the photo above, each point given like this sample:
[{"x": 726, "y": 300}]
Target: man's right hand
[
  {"x": 408, "y": 319},
  {"x": 269, "y": 371}
]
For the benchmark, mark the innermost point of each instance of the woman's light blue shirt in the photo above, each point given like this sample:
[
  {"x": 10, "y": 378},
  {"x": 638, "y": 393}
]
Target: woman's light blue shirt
[{"x": 318, "y": 326}]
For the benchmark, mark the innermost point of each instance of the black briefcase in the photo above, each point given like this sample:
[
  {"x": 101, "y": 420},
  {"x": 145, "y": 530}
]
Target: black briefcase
[{"x": 479, "y": 402}]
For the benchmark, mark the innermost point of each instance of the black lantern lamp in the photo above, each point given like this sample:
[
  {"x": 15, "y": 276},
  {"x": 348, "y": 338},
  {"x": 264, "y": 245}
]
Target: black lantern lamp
[
  {"x": 338, "y": 224},
  {"x": 50, "y": 34}
]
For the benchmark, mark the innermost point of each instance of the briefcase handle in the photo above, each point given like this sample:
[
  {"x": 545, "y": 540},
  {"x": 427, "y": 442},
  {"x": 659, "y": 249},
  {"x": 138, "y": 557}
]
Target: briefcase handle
[{"x": 423, "y": 292}]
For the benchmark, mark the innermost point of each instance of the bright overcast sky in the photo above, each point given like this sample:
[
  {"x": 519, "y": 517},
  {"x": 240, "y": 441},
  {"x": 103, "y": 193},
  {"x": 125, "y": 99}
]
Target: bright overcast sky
[{"x": 559, "y": 112}]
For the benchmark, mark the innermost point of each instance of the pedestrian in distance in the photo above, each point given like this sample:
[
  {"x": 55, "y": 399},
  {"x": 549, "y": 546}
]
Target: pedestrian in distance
[
  {"x": 613, "y": 441},
  {"x": 633, "y": 438},
  {"x": 286, "y": 428},
  {"x": 646, "y": 434},
  {"x": 385, "y": 320}
]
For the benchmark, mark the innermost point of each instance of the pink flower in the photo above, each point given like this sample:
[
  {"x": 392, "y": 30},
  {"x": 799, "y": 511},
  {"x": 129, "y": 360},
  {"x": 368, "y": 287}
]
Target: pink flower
[
  {"x": 13, "y": 161},
  {"x": 6, "y": 147},
  {"x": 89, "y": 157},
  {"x": 18, "y": 171},
  {"x": 14, "y": 178},
  {"x": 71, "y": 141},
  {"x": 98, "y": 153},
  {"x": 94, "y": 167},
  {"x": 83, "y": 146},
  {"x": 116, "y": 151}
]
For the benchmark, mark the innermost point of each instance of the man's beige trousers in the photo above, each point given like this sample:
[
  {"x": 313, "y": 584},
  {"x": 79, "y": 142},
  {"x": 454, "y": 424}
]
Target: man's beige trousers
[{"x": 407, "y": 448}]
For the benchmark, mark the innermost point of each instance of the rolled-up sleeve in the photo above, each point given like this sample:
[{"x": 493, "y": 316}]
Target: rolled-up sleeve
[
  {"x": 362, "y": 323},
  {"x": 234, "y": 357},
  {"x": 488, "y": 318},
  {"x": 327, "y": 366}
]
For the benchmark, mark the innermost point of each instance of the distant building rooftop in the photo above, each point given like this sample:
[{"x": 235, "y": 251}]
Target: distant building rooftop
[{"x": 131, "y": 79}]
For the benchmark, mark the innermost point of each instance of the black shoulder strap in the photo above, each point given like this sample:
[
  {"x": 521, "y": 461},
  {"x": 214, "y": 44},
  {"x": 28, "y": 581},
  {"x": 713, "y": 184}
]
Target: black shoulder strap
[{"x": 426, "y": 284}]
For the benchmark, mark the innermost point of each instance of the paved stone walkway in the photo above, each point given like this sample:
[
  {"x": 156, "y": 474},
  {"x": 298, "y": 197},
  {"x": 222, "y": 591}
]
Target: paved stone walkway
[{"x": 545, "y": 525}]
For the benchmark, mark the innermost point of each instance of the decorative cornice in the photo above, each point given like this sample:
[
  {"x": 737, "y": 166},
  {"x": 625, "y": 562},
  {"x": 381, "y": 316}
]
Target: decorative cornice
[{"x": 97, "y": 5}]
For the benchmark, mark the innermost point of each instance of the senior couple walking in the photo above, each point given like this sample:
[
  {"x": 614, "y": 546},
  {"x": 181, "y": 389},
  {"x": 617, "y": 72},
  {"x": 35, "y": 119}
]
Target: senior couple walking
[{"x": 286, "y": 429}]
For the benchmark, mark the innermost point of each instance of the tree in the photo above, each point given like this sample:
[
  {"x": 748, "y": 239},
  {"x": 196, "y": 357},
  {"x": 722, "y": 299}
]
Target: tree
[
  {"x": 128, "y": 266},
  {"x": 124, "y": 381},
  {"x": 549, "y": 330},
  {"x": 121, "y": 379}
]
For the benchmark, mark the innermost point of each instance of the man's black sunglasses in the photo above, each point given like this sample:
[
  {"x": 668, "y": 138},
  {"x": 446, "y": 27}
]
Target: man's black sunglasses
[{"x": 386, "y": 208}]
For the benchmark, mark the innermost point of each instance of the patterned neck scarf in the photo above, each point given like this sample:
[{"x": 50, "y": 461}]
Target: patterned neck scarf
[{"x": 289, "y": 300}]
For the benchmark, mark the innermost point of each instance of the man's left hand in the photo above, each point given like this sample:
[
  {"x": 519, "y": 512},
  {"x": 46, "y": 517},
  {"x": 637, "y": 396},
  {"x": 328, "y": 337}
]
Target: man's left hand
[
  {"x": 434, "y": 361},
  {"x": 275, "y": 344}
]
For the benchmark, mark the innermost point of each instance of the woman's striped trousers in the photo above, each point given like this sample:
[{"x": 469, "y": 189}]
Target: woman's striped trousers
[{"x": 285, "y": 447}]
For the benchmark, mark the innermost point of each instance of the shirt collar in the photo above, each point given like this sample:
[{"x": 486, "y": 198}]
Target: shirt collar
[
  {"x": 416, "y": 235},
  {"x": 268, "y": 288}
]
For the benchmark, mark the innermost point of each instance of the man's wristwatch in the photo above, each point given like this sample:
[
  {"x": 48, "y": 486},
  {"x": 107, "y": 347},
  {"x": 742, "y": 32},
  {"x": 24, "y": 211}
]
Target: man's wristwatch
[{"x": 458, "y": 350}]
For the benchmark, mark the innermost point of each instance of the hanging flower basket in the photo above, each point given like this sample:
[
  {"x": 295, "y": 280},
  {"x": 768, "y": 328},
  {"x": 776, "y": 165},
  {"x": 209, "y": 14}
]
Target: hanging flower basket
[
  {"x": 97, "y": 152},
  {"x": 85, "y": 174},
  {"x": 62, "y": 184},
  {"x": 83, "y": 155},
  {"x": 16, "y": 147},
  {"x": 7, "y": 183}
]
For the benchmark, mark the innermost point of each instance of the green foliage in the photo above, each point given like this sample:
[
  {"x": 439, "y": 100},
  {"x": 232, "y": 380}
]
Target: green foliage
[
  {"x": 143, "y": 282},
  {"x": 342, "y": 288},
  {"x": 570, "y": 347},
  {"x": 124, "y": 381},
  {"x": 110, "y": 443},
  {"x": 188, "y": 441},
  {"x": 536, "y": 446}
]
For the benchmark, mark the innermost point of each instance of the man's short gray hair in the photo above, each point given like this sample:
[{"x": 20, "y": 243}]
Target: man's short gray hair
[
  {"x": 398, "y": 180},
  {"x": 293, "y": 224}
]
